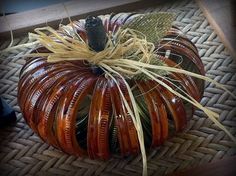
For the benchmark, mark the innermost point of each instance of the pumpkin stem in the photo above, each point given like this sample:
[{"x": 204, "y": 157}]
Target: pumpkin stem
[
  {"x": 97, "y": 38},
  {"x": 96, "y": 33}
]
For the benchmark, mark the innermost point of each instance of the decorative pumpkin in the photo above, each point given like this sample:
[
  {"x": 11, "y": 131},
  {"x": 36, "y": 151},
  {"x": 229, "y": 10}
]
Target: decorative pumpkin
[{"x": 74, "y": 106}]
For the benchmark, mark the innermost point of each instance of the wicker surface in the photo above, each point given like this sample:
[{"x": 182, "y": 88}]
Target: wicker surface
[{"x": 23, "y": 153}]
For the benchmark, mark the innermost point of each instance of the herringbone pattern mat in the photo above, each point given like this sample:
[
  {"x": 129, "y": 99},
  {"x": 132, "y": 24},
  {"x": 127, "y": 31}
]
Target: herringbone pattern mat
[{"x": 23, "y": 153}]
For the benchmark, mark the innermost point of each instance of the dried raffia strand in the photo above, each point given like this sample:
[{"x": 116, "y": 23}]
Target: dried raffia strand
[
  {"x": 11, "y": 32},
  {"x": 72, "y": 25},
  {"x": 185, "y": 93},
  {"x": 126, "y": 63},
  {"x": 134, "y": 115}
]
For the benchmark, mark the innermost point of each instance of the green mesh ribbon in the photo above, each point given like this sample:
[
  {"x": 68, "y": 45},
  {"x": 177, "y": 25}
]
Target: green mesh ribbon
[{"x": 153, "y": 25}]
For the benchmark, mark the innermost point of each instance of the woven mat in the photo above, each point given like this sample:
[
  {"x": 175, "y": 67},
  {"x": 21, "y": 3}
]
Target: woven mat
[{"x": 23, "y": 153}]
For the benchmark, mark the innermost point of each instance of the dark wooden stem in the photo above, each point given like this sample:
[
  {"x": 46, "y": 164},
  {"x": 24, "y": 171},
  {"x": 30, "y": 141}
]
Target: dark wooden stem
[{"x": 96, "y": 33}]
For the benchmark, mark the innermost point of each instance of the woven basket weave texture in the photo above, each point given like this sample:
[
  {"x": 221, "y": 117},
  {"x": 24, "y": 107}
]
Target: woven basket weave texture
[{"x": 23, "y": 153}]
